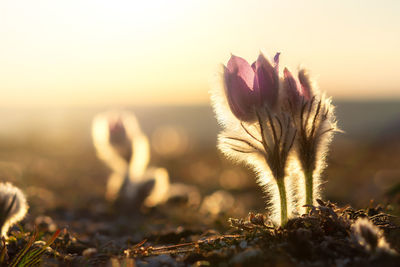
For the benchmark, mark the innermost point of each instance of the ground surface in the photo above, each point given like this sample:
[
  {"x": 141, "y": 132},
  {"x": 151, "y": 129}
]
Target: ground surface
[
  {"x": 164, "y": 237},
  {"x": 65, "y": 184}
]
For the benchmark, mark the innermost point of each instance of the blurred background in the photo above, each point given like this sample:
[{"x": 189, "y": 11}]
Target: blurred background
[{"x": 62, "y": 62}]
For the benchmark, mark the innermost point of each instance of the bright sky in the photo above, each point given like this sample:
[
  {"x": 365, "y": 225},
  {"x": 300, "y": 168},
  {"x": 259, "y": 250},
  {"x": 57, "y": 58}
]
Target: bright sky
[{"x": 94, "y": 52}]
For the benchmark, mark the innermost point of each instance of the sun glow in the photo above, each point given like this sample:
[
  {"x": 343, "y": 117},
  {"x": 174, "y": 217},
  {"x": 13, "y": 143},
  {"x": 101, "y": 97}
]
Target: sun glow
[{"x": 129, "y": 52}]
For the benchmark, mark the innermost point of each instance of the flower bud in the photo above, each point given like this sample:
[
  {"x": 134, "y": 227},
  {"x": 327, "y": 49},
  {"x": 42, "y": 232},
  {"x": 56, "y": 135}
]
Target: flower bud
[
  {"x": 305, "y": 84},
  {"x": 292, "y": 88},
  {"x": 266, "y": 83},
  {"x": 117, "y": 131},
  {"x": 250, "y": 87},
  {"x": 239, "y": 82},
  {"x": 119, "y": 138}
]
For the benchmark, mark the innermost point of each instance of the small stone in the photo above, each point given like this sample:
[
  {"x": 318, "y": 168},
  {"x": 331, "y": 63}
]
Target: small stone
[
  {"x": 243, "y": 244},
  {"x": 39, "y": 243},
  {"x": 45, "y": 224},
  {"x": 89, "y": 252},
  {"x": 201, "y": 263},
  {"x": 70, "y": 257},
  {"x": 248, "y": 256}
]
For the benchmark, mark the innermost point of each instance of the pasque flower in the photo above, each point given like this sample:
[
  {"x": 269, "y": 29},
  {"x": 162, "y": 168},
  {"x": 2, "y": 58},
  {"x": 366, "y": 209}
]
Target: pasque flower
[
  {"x": 260, "y": 133},
  {"x": 13, "y": 206},
  {"x": 264, "y": 116},
  {"x": 122, "y": 145},
  {"x": 313, "y": 116},
  {"x": 370, "y": 237},
  {"x": 250, "y": 87}
]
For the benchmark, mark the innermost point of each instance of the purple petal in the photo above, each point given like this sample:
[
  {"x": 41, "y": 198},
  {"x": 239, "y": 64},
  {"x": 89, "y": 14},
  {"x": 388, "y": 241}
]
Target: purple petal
[
  {"x": 241, "y": 68},
  {"x": 305, "y": 84},
  {"x": 117, "y": 131},
  {"x": 292, "y": 87},
  {"x": 266, "y": 82},
  {"x": 240, "y": 96},
  {"x": 253, "y": 66},
  {"x": 276, "y": 61}
]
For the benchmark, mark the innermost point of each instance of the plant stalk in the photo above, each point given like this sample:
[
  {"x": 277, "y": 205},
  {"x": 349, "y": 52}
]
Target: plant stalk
[
  {"x": 309, "y": 189},
  {"x": 283, "y": 201}
]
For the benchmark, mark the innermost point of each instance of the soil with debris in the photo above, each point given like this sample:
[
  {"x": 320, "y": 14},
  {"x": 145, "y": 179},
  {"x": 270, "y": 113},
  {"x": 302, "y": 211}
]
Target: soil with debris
[
  {"x": 65, "y": 186},
  {"x": 168, "y": 236}
]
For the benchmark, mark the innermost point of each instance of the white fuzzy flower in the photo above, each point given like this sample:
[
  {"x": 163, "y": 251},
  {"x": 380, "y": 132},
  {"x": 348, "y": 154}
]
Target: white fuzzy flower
[
  {"x": 257, "y": 130},
  {"x": 370, "y": 236},
  {"x": 13, "y": 206},
  {"x": 315, "y": 122}
]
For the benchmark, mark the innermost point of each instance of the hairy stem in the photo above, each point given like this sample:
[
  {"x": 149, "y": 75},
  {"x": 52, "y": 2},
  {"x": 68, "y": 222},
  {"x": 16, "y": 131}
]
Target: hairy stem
[
  {"x": 283, "y": 202},
  {"x": 308, "y": 175}
]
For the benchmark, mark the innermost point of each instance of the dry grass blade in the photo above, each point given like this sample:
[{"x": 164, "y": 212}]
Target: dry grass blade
[
  {"x": 23, "y": 252},
  {"x": 178, "y": 248},
  {"x": 28, "y": 257}
]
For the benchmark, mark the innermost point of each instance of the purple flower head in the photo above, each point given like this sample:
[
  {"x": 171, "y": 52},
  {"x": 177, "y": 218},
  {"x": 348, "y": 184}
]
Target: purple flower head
[
  {"x": 117, "y": 131},
  {"x": 305, "y": 84},
  {"x": 293, "y": 88},
  {"x": 297, "y": 90},
  {"x": 250, "y": 87},
  {"x": 266, "y": 82},
  {"x": 239, "y": 83}
]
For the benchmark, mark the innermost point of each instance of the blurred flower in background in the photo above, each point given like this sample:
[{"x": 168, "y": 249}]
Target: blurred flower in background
[{"x": 121, "y": 144}]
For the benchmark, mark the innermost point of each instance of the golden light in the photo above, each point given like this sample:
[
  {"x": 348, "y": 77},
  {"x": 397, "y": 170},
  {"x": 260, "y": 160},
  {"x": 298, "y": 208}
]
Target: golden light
[{"x": 149, "y": 52}]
